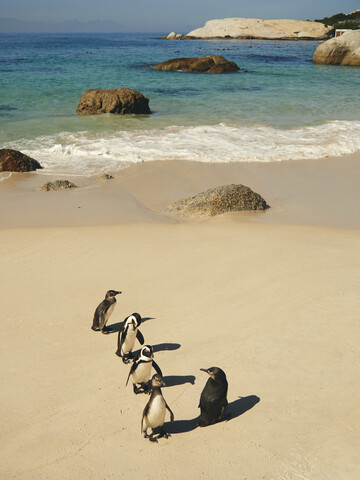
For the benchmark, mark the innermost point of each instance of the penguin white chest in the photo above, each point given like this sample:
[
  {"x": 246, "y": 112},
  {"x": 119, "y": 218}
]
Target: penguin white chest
[
  {"x": 109, "y": 311},
  {"x": 142, "y": 373},
  {"x": 129, "y": 342},
  {"x": 156, "y": 414}
]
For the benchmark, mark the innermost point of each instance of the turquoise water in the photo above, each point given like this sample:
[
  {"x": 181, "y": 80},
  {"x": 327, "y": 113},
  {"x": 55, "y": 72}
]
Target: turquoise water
[{"x": 278, "y": 107}]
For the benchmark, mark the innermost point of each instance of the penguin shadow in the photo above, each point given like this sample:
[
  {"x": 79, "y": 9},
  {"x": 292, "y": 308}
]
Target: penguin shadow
[
  {"x": 233, "y": 410},
  {"x": 240, "y": 406},
  {"x": 116, "y": 327},
  {"x": 161, "y": 347},
  {"x": 173, "y": 380}
]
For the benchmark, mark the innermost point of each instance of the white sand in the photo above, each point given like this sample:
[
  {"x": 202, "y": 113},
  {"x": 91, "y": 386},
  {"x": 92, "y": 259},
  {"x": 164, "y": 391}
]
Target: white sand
[{"x": 272, "y": 298}]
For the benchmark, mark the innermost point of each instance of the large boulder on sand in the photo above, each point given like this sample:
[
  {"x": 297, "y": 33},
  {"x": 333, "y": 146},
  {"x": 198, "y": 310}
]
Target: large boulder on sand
[
  {"x": 117, "y": 100},
  {"x": 228, "y": 198},
  {"x": 343, "y": 50},
  {"x": 15, "y": 161},
  {"x": 209, "y": 64}
]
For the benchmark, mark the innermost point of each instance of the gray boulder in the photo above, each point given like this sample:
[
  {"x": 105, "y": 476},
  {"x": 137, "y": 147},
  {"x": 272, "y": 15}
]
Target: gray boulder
[
  {"x": 117, "y": 100},
  {"x": 215, "y": 201},
  {"x": 15, "y": 161},
  {"x": 208, "y": 64},
  {"x": 343, "y": 50}
]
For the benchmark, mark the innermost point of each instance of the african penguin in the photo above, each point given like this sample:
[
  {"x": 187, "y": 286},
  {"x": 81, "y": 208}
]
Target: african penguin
[
  {"x": 104, "y": 310},
  {"x": 140, "y": 370},
  {"x": 213, "y": 397},
  {"x": 127, "y": 335},
  {"x": 154, "y": 412}
]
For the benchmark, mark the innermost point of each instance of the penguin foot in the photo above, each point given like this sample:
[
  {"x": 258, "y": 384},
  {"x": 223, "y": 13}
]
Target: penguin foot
[
  {"x": 106, "y": 330},
  {"x": 202, "y": 423},
  {"x": 126, "y": 360},
  {"x": 96, "y": 329},
  {"x": 153, "y": 439}
]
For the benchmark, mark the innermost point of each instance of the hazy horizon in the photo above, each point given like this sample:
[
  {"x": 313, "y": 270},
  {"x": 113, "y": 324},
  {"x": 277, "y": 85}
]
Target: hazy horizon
[{"x": 48, "y": 16}]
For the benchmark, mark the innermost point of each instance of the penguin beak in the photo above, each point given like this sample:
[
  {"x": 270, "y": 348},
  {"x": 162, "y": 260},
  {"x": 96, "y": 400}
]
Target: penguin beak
[
  {"x": 205, "y": 370},
  {"x": 117, "y": 293}
]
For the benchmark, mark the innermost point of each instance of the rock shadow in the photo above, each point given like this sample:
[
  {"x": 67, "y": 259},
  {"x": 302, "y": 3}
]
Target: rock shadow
[
  {"x": 234, "y": 409},
  {"x": 172, "y": 380}
]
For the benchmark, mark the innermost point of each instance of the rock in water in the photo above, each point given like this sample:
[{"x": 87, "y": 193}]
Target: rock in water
[
  {"x": 118, "y": 100},
  {"x": 57, "y": 185},
  {"x": 228, "y": 198},
  {"x": 15, "y": 161},
  {"x": 343, "y": 50},
  {"x": 209, "y": 64},
  {"x": 258, "y": 28}
]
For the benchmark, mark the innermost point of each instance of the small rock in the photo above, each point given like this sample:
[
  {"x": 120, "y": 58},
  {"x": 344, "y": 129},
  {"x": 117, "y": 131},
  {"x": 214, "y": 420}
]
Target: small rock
[
  {"x": 15, "y": 161},
  {"x": 57, "y": 185},
  {"x": 106, "y": 176},
  {"x": 215, "y": 201}
]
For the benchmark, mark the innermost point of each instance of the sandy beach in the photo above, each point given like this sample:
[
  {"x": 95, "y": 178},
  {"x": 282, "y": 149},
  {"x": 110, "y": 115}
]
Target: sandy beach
[{"x": 270, "y": 297}]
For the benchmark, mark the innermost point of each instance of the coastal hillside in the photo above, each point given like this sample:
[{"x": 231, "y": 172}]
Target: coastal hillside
[
  {"x": 350, "y": 21},
  {"x": 262, "y": 29}
]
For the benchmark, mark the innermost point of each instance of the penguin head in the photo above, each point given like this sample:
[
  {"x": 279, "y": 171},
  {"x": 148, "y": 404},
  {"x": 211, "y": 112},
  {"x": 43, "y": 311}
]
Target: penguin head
[
  {"x": 215, "y": 373},
  {"x": 147, "y": 352},
  {"x": 157, "y": 381},
  {"x": 133, "y": 321},
  {"x": 111, "y": 293}
]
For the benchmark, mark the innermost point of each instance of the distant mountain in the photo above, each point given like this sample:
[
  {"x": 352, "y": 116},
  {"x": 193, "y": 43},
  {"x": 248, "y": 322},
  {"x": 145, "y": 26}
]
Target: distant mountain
[
  {"x": 11, "y": 25},
  {"x": 343, "y": 20}
]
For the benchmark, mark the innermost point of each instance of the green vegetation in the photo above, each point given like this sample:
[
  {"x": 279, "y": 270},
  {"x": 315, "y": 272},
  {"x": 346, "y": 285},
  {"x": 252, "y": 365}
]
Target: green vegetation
[{"x": 341, "y": 20}]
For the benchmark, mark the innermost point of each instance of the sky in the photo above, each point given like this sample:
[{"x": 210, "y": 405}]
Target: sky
[{"x": 180, "y": 16}]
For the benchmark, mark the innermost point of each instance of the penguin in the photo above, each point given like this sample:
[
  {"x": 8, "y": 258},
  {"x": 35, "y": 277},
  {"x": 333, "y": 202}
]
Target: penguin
[
  {"x": 104, "y": 310},
  {"x": 154, "y": 412},
  {"x": 127, "y": 335},
  {"x": 213, "y": 399},
  {"x": 140, "y": 370}
]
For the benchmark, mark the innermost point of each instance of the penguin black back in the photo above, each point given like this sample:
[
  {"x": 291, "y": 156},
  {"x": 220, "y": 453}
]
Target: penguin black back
[{"x": 213, "y": 399}]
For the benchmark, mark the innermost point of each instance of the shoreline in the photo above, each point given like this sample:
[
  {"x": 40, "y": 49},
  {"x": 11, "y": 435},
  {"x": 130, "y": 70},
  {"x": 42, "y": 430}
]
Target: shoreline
[{"x": 322, "y": 192}]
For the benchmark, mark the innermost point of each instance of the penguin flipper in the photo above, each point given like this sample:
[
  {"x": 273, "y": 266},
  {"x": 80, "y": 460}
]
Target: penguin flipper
[
  {"x": 101, "y": 313},
  {"x": 119, "y": 343},
  {"x": 171, "y": 413},
  {"x": 157, "y": 368},
  {"x": 145, "y": 412},
  {"x": 140, "y": 337},
  {"x": 132, "y": 370}
]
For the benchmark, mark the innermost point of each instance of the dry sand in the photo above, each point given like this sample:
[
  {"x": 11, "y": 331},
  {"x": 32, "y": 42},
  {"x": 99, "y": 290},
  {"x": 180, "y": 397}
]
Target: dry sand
[{"x": 272, "y": 298}]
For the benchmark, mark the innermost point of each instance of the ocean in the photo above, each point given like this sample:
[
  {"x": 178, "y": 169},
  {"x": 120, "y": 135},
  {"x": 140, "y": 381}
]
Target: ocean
[{"x": 278, "y": 107}]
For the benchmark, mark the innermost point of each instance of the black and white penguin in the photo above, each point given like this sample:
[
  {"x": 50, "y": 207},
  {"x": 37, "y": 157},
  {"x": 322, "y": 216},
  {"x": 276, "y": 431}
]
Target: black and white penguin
[
  {"x": 154, "y": 412},
  {"x": 140, "y": 370},
  {"x": 104, "y": 310},
  {"x": 213, "y": 398},
  {"x": 127, "y": 335}
]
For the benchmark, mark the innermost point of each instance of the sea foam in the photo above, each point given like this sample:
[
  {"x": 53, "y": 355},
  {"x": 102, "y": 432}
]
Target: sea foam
[{"x": 85, "y": 153}]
